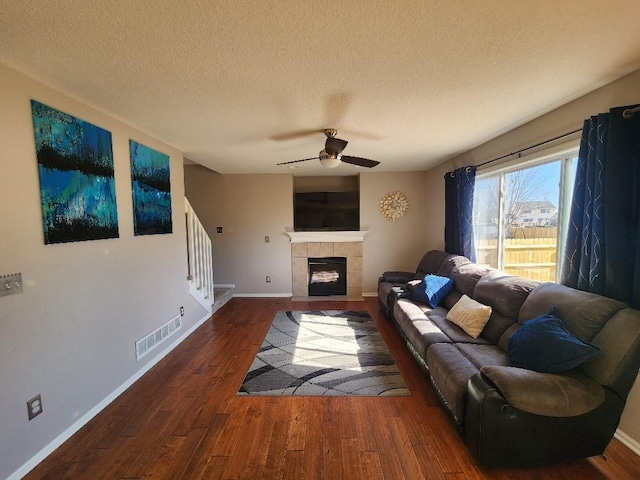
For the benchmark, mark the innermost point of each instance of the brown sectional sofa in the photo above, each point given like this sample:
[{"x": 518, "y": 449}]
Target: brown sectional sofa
[{"x": 509, "y": 415}]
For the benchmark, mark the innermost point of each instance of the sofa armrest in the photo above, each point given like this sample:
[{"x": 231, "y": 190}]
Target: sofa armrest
[
  {"x": 397, "y": 277},
  {"x": 547, "y": 394}
]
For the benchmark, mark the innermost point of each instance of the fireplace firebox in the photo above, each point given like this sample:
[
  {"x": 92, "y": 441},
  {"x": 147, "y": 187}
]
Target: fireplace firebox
[{"x": 327, "y": 276}]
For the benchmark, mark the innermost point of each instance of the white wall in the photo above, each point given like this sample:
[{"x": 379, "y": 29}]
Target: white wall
[
  {"x": 625, "y": 91},
  {"x": 71, "y": 335}
]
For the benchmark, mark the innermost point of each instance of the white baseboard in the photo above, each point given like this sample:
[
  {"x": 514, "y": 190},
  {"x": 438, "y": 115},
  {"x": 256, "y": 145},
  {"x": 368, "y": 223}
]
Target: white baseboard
[
  {"x": 263, "y": 295},
  {"x": 82, "y": 421},
  {"x": 258, "y": 295},
  {"x": 627, "y": 441}
]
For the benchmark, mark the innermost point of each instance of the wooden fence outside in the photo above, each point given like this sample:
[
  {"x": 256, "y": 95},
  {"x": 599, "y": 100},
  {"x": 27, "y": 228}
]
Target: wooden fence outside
[{"x": 533, "y": 258}]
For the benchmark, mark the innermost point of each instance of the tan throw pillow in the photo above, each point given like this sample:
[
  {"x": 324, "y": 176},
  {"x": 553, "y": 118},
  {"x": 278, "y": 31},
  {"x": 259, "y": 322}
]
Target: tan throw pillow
[{"x": 469, "y": 315}]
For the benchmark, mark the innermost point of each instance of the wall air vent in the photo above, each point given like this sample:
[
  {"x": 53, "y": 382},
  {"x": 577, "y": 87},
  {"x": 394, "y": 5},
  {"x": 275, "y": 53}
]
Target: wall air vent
[{"x": 150, "y": 341}]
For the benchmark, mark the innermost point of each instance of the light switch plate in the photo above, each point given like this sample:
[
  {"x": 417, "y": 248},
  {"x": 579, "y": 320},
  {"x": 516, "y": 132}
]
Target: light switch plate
[{"x": 10, "y": 284}]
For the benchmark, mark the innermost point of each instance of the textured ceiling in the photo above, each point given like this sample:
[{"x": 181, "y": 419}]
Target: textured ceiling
[{"x": 234, "y": 84}]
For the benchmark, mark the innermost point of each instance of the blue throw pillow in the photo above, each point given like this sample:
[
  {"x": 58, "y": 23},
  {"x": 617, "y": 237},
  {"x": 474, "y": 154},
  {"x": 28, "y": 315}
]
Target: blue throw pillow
[
  {"x": 544, "y": 344},
  {"x": 432, "y": 289}
]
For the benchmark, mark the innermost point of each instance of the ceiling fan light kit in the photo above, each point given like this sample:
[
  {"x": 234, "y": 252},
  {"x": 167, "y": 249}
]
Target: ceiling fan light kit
[
  {"x": 331, "y": 156},
  {"x": 329, "y": 161}
]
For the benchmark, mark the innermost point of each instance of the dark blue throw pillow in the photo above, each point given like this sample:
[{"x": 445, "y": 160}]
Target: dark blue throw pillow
[
  {"x": 432, "y": 289},
  {"x": 544, "y": 344}
]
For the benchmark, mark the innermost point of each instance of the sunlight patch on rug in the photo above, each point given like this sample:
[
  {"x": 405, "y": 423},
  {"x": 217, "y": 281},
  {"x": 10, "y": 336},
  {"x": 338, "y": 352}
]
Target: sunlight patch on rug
[{"x": 317, "y": 353}]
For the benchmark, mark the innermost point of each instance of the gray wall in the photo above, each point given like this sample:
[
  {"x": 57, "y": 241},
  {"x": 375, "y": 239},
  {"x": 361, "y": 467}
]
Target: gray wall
[
  {"x": 248, "y": 207},
  {"x": 71, "y": 335}
]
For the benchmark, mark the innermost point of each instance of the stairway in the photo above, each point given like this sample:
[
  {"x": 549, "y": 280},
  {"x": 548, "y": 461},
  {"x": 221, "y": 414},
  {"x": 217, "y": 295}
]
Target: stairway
[
  {"x": 221, "y": 295},
  {"x": 200, "y": 256}
]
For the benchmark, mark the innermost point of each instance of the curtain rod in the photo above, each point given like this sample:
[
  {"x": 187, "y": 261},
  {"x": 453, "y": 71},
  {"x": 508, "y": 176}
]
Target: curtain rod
[{"x": 518, "y": 152}]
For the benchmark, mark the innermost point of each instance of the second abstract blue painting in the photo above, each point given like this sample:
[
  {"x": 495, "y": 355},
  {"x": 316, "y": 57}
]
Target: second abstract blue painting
[{"x": 151, "y": 189}]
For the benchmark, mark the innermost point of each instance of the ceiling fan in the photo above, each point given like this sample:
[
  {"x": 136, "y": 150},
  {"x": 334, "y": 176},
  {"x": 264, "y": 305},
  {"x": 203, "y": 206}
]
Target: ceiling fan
[{"x": 332, "y": 155}]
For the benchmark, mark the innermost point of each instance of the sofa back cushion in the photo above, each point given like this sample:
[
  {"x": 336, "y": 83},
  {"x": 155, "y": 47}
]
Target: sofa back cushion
[
  {"x": 431, "y": 262},
  {"x": 583, "y": 313},
  {"x": 505, "y": 294},
  {"x": 449, "y": 263},
  {"x": 608, "y": 324},
  {"x": 465, "y": 275}
]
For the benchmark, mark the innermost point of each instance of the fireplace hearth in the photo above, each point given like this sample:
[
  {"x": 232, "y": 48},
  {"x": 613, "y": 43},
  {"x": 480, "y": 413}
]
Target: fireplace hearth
[{"x": 327, "y": 276}]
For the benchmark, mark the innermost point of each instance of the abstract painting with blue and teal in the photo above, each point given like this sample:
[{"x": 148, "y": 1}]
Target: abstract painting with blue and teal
[
  {"x": 77, "y": 185},
  {"x": 151, "y": 190}
]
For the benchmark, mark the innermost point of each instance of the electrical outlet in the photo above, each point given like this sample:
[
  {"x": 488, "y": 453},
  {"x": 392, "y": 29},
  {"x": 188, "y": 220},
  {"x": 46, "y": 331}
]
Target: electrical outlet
[
  {"x": 182, "y": 311},
  {"x": 34, "y": 407},
  {"x": 268, "y": 279},
  {"x": 218, "y": 229},
  {"x": 266, "y": 239}
]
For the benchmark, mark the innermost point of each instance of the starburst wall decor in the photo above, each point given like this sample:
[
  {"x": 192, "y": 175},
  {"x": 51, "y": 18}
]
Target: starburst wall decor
[{"x": 394, "y": 206}]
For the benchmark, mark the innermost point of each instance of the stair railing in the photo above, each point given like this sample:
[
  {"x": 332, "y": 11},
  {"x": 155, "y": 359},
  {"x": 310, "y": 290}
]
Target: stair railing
[{"x": 200, "y": 258}]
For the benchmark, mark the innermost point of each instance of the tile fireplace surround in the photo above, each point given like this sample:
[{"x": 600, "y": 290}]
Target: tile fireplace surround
[{"x": 326, "y": 244}]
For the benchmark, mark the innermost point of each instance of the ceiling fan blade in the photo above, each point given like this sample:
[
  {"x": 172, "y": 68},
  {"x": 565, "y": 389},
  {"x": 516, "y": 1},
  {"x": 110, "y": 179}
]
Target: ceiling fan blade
[
  {"x": 297, "y": 161},
  {"x": 361, "y": 162},
  {"x": 335, "y": 145}
]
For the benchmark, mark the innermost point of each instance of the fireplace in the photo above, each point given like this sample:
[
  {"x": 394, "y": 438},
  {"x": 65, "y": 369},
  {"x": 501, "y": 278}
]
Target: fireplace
[
  {"x": 306, "y": 245},
  {"x": 327, "y": 276}
]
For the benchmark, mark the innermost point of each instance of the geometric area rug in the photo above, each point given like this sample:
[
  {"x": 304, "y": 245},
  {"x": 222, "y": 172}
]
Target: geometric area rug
[{"x": 323, "y": 353}]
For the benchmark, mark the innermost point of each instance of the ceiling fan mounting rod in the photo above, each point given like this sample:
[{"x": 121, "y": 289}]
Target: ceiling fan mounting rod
[{"x": 330, "y": 132}]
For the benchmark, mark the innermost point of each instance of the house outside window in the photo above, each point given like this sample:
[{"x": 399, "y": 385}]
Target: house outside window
[{"x": 521, "y": 210}]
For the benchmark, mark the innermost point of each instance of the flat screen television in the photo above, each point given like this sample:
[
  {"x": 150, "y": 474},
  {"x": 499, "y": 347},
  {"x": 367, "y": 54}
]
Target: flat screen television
[{"x": 326, "y": 211}]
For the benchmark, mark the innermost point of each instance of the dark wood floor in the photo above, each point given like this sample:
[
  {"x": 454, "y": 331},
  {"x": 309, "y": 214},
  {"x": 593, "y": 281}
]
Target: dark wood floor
[{"x": 182, "y": 420}]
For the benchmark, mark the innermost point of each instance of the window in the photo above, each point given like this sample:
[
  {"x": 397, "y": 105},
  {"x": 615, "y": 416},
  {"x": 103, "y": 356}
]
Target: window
[{"x": 520, "y": 212}]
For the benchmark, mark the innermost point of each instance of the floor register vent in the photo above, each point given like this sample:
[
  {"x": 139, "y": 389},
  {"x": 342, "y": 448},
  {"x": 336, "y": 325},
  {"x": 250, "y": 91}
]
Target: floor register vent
[{"x": 147, "y": 343}]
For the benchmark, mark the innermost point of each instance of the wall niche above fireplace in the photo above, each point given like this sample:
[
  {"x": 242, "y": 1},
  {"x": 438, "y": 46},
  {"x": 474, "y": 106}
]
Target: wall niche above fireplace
[{"x": 326, "y": 204}]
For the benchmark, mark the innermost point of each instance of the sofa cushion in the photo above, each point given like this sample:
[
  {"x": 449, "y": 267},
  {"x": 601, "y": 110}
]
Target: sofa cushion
[
  {"x": 456, "y": 334},
  {"x": 505, "y": 294},
  {"x": 619, "y": 343},
  {"x": 496, "y": 326},
  {"x": 583, "y": 313},
  {"x": 546, "y": 394},
  {"x": 449, "y": 263},
  {"x": 416, "y": 327},
  {"x": 431, "y": 289},
  {"x": 450, "y": 371},
  {"x": 483, "y": 355},
  {"x": 544, "y": 344},
  {"x": 467, "y": 275},
  {"x": 469, "y": 315},
  {"x": 431, "y": 261},
  {"x": 451, "y": 299}
]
